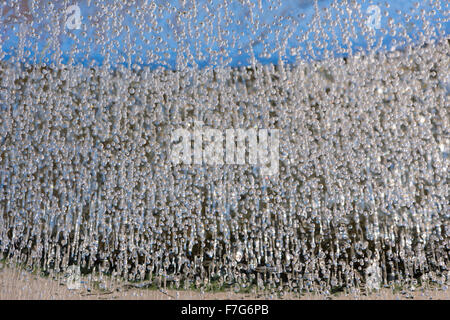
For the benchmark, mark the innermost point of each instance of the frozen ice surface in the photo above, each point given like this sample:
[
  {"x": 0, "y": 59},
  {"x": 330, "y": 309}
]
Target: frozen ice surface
[
  {"x": 201, "y": 33},
  {"x": 360, "y": 199}
]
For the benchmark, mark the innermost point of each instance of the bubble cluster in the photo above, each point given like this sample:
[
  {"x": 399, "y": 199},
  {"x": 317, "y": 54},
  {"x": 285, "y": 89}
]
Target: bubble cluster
[{"x": 360, "y": 200}]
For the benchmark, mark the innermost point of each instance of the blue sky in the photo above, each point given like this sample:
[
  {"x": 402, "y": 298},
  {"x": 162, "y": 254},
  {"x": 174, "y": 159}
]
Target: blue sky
[{"x": 226, "y": 36}]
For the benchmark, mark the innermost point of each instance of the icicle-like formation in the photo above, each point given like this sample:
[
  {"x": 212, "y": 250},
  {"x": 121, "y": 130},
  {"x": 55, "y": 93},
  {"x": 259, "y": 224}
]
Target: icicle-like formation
[{"x": 353, "y": 191}]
